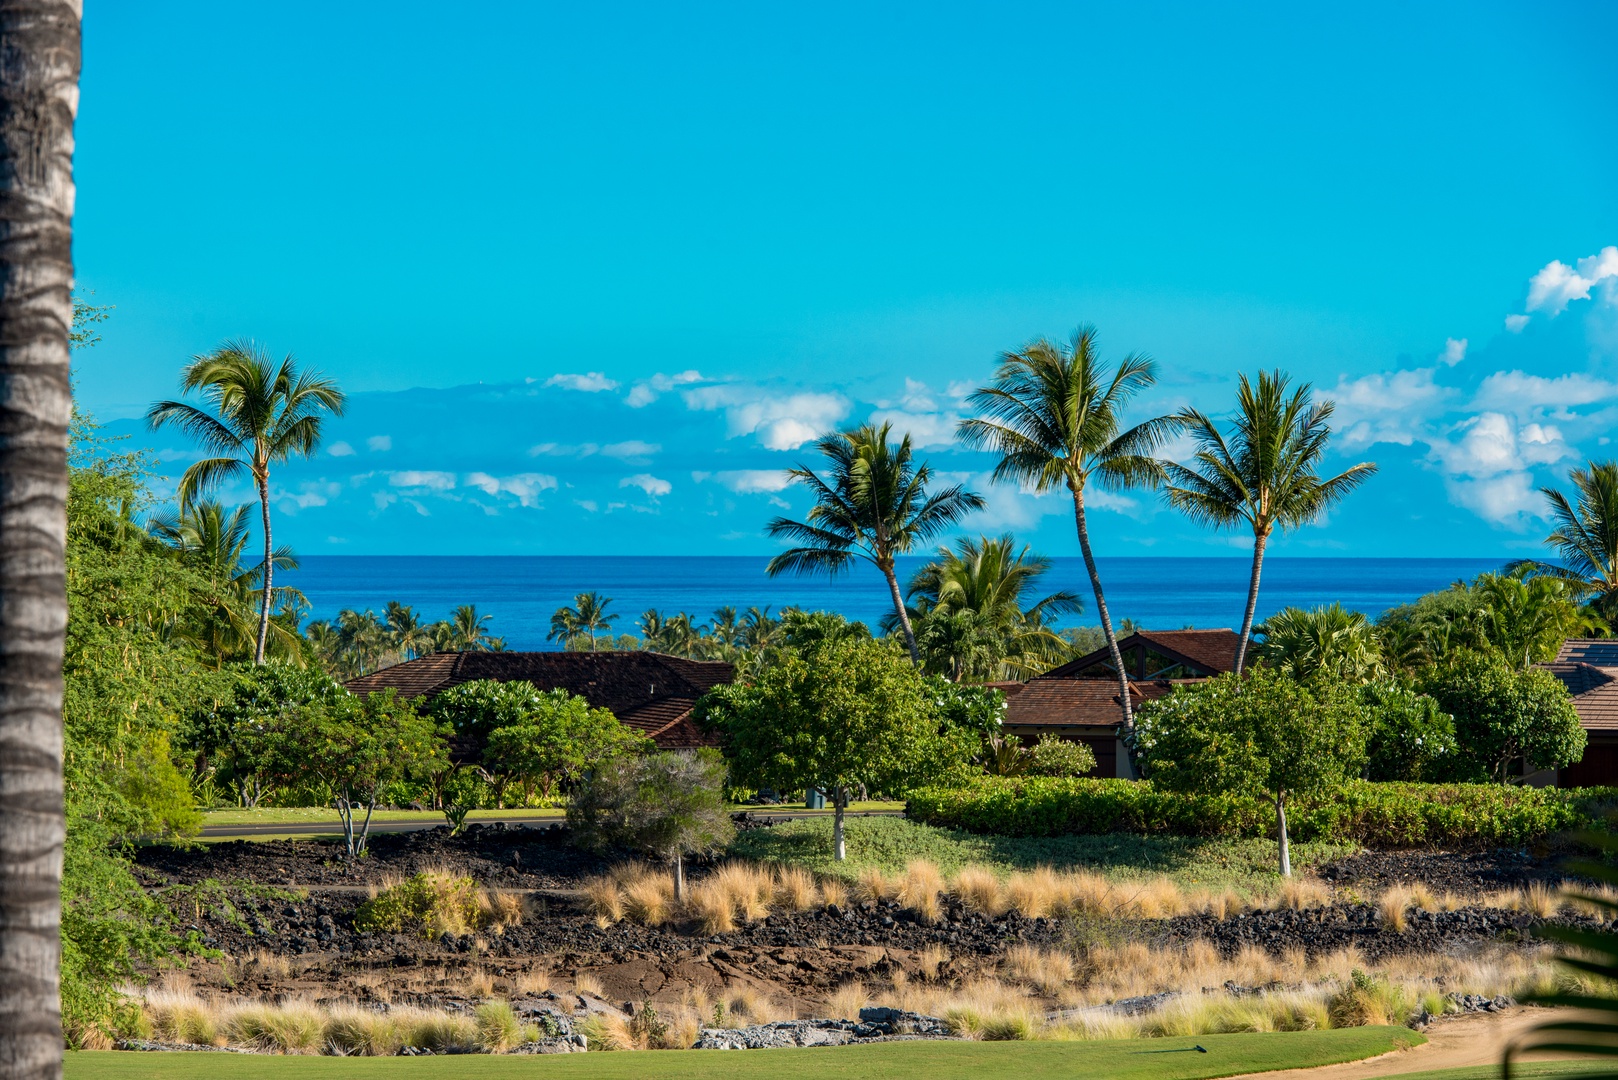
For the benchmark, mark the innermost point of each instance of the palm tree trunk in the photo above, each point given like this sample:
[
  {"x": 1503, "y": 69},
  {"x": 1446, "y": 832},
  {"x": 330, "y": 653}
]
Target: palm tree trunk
[
  {"x": 1106, "y": 619},
  {"x": 904, "y": 616},
  {"x": 38, "y": 99},
  {"x": 269, "y": 573},
  {"x": 1259, "y": 540}
]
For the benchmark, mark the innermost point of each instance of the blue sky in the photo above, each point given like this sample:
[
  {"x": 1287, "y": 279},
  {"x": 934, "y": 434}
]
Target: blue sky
[{"x": 594, "y": 273}]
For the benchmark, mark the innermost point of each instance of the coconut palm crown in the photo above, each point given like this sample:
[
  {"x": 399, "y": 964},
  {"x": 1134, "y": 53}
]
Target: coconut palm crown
[
  {"x": 263, "y": 413},
  {"x": 873, "y": 504},
  {"x": 1263, "y": 474},
  {"x": 1054, "y": 414},
  {"x": 1586, "y": 535}
]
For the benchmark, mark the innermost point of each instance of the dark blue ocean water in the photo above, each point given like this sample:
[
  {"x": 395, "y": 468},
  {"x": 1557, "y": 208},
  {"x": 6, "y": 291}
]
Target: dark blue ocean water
[{"x": 522, "y": 591}]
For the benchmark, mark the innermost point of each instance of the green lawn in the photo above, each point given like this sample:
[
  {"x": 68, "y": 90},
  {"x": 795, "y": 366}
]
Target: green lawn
[
  {"x": 1528, "y": 1070},
  {"x": 302, "y": 815},
  {"x": 890, "y": 843},
  {"x": 1134, "y": 1059}
]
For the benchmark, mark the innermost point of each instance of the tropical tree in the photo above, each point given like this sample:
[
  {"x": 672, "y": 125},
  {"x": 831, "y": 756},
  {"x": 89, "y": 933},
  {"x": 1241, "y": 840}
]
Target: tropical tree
[
  {"x": 39, "y": 96},
  {"x": 467, "y": 631},
  {"x": 759, "y": 629},
  {"x": 1526, "y": 619},
  {"x": 263, "y": 413},
  {"x": 407, "y": 634},
  {"x": 1054, "y": 415},
  {"x": 586, "y": 618},
  {"x": 1330, "y": 641},
  {"x": 1505, "y": 716},
  {"x": 1264, "y": 473},
  {"x": 871, "y": 504},
  {"x": 980, "y": 591},
  {"x": 1586, "y": 535}
]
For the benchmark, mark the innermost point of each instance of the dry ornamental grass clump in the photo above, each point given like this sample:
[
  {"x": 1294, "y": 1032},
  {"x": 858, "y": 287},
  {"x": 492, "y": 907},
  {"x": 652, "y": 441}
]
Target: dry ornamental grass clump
[{"x": 434, "y": 902}]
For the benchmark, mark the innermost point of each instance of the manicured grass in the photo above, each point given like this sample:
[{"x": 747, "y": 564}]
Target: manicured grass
[
  {"x": 303, "y": 815},
  {"x": 1134, "y": 1059},
  {"x": 890, "y": 843}
]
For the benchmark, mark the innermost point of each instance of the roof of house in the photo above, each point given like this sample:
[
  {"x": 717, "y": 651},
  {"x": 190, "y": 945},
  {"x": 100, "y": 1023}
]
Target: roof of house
[
  {"x": 647, "y": 691},
  {"x": 1210, "y": 652},
  {"x": 1598, "y": 652},
  {"x": 1594, "y": 690},
  {"x": 1077, "y": 702}
]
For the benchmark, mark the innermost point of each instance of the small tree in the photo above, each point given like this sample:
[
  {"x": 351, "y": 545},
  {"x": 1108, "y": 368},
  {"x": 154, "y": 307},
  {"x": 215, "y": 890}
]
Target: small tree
[
  {"x": 225, "y": 738},
  {"x": 356, "y": 747},
  {"x": 1503, "y": 716},
  {"x": 1055, "y": 756},
  {"x": 669, "y": 804},
  {"x": 1407, "y": 736},
  {"x": 837, "y": 715},
  {"x": 1266, "y": 735}
]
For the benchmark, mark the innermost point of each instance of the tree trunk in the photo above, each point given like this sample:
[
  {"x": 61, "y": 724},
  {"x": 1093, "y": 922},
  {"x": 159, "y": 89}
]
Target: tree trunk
[
  {"x": 839, "y": 803},
  {"x": 269, "y": 572},
  {"x": 1106, "y": 619},
  {"x": 1259, "y": 540},
  {"x": 904, "y": 616},
  {"x": 1281, "y": 834},
  {"x": 38, "y": 99},
  {"x": 679, "y": 875}
]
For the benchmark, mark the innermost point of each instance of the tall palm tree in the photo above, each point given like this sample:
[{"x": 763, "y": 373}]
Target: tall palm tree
[
  {"x": 725, "y": 627},
  {"x": 1586, "y": 535},
  {"x": 263, "y": 414},
  {"x": 1527, "y": 617},
  {"x": 1053, "y": 414},
  {"x": 38, "y": 98},
  {"x": 1263, "y": 474},
  {"x": 760, "y": 630},
  {"x": 468, "y": 632},
  {"x": 872, "y": 504},
  {"x": 408, "y": 634},
  {"x": 586, "y": 618}
]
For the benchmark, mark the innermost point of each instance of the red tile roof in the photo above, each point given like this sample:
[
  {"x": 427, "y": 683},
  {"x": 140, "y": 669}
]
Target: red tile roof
[
  {"x": 1210, "y": 652},
  {"x": 1594, "y": 690},
  {"x": 1598, "y": 652},
  {"x": 1077, "y": 702},
  {"x": 650, "y": 692}
]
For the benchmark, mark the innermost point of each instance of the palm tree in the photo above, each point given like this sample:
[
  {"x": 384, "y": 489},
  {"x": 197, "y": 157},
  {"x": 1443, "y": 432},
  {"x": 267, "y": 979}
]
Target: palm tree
[
  {"x": 989, "y": 578},
  {"x": 1526, "y": 618},
  {"x": 1327, "y": 640},
  {"x": 725, "y": 628},
  {"x": 468, "y": 632},
  {"x": 1586, "y": 535},
  {"x": 38, "y": 98},
  {"x": 1052, "y": 413},
  {"x": 872, "y": 504},
  {"x": 587, "y": 617},
  {"x": 1263, "y": 474},
  {"x": 408, "y": 634},
  {"x": 759, "y": 630},
  {"x": 263, "y": 414}
]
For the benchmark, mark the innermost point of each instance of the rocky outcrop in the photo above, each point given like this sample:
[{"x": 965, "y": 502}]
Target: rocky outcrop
[{"x": 874, "y": 1025}]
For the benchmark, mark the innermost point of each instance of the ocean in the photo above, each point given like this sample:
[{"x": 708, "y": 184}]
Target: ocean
[{"x": 521, "y": 592}]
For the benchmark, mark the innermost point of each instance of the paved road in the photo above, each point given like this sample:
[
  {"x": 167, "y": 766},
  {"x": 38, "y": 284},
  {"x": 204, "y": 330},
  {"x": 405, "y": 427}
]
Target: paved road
[{"x": 335, "y": 827}]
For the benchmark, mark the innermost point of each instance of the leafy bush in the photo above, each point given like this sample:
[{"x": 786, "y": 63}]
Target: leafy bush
[
  {"x": 428, "y": 904},
  {"x": 1503, "y": 715},
  {"x": 1408, "y": 736},
  {"x": 1382, "y": 815},
  {"x": 1053, "y": 756}
]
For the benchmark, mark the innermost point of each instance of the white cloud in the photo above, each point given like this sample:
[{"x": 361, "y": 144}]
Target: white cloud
[
  {"x": 644, "y": 393},
  {"x": 586, "y": 504},
  {"x": 961, "y": 389},
  {"x": 591, "y": 382},
  {"x": 1519, "y": 390},
  {"x": 1515, "y": 323},
  {"x": 1558, "y": 284},
  {"x": 1487, "y": 470},
  {"x": 551, "y": 449},
  {"x": 924, "y": 429},
  {"x": 1388, "y": 407},
  {"x": 1454, "y": 351},
  {"x": 318, "y": 493},
  {"x": 1506, "y": 499},
  {"x": 652, "y": 485},
  {"x": 379, "y": 442},
  {"x": 414, "y": 478},
  {"x": 631, "y": 449},
  {"x": 340, "y": 449},
  {"x": 526, "y": 487},
  {"x": 753, "y": 481},
  {"x": 778, "y": 423}
]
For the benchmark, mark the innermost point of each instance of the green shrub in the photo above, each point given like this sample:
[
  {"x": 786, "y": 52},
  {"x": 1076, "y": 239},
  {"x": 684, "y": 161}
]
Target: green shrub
[
  {"x": 428, "y": 904},
  {"x": 1382, "y": 815},
  {"x": 1053, "y": 756}
]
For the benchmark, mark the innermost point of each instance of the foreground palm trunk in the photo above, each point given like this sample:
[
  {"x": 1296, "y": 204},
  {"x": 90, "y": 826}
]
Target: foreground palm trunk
[
  {"x": 269, "y": 574},
  {"x": 38, "y": 100},
  {"x": 1259, "y": 540},
  {"x": 904, "y": 616},
  {"x": 1128, "y": 730}
]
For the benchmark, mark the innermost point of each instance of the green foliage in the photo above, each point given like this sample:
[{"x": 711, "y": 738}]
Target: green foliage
[
  {"x": 1408, "y": 736},
  {"x": 806, "y": 629},
  {"x": 1377, "y": 815},
  {"x": 220, "y": 732},
  {"x": 1326, "y": 641},
  {"x": 427, "y": 905},
  {"x": 1267, "y": 734},
  {"x": 667, "y": 804},
  {"x": 839, "y": 715},
  {"x": 1054, "y": 756},
  {"x": 1503, "y": 716}
]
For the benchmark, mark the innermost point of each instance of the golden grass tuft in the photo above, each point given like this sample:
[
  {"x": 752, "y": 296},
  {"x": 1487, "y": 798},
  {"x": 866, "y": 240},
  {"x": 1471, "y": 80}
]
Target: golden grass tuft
[
  {"x": 710, "y": 904},
  {"x": 920, "y": 888},
  {"x": 845, "y": 1002},
  {"x": 833, "y": 891},
  {"x": 606, "y": 903},
  {"x": 649, "y": 900},
  {"x": 978, "y": 888},
  {"x": 586, "y": 982},
  {"x": 794, "y": 888},
  {"x": 932, "y": 960},
  {"x": 1046, "y": 969},
  {"x": 873, "y": 884}
]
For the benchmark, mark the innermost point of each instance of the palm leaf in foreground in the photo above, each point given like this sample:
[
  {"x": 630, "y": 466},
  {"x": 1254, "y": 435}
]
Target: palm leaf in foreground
[{"x": 1593, "y": 1029}]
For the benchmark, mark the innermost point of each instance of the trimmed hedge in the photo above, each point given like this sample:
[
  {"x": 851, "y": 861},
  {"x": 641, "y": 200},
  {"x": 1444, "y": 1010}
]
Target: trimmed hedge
[{"x": 1378, "y": 815}]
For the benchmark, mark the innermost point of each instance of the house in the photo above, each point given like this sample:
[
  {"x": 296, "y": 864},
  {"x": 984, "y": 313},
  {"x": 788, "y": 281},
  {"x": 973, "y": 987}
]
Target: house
[
  {"x": 650, "y": 692},
  {"x": 1588, "y": 667},
  {"x": 1079, "y": 700}
]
